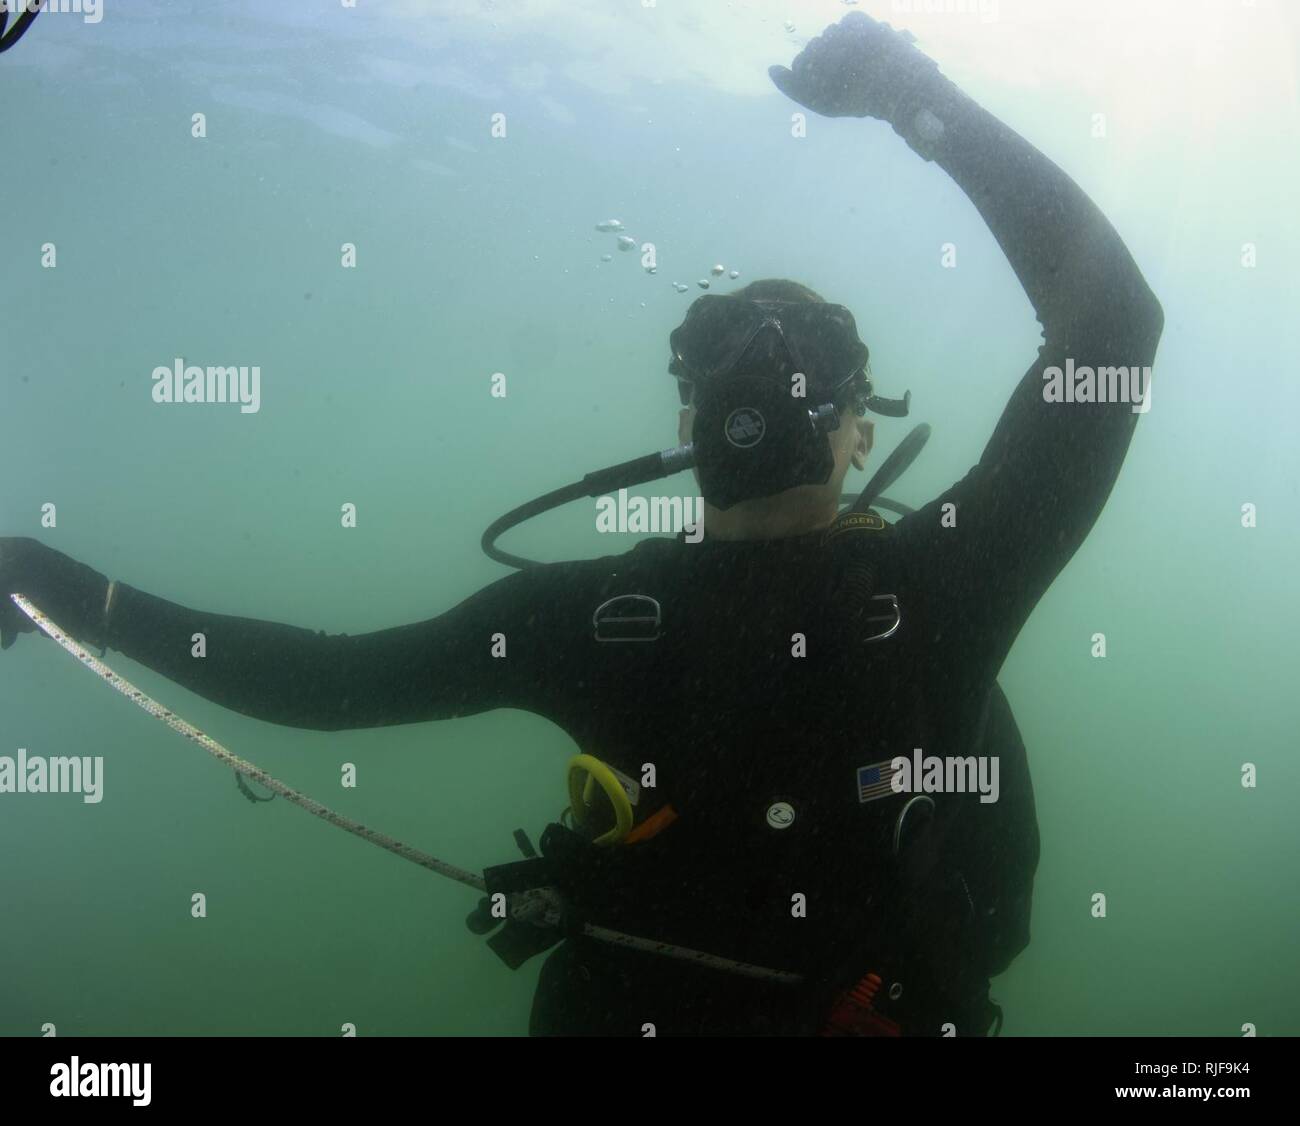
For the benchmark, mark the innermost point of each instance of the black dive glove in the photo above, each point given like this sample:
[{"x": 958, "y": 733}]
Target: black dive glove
[
  {"x": 859, "y": 68},
  {"x": 69, "y": 592}
]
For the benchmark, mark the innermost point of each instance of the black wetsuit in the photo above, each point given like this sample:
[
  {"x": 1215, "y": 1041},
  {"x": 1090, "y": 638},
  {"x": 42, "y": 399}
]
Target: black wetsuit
[{"x": 733, "y": 720}]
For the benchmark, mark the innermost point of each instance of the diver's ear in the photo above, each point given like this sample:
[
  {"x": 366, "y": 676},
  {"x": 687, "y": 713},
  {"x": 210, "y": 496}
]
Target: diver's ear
[
  {"x": 865, "y": 440},
  {"x": 685, "y": 424}
]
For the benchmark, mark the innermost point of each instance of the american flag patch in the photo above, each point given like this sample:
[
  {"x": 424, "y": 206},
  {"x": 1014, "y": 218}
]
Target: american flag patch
[{"x": 875, "y": 781}]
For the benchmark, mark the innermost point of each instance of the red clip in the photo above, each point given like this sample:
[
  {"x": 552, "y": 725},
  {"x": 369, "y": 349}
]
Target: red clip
[{"x": 852, "y": 1014}]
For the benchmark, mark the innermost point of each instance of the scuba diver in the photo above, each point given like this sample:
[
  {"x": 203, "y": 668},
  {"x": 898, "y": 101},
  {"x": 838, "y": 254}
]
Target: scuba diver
[{"x": 739, "y": 702}]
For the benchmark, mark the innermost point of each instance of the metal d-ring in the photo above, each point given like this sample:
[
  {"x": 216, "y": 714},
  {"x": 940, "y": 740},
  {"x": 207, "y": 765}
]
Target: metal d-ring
[{"x": 902, "y": 816}]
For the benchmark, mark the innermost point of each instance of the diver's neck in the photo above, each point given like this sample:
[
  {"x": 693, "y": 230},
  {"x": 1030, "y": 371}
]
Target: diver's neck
[{"x": 769, "y": 518}]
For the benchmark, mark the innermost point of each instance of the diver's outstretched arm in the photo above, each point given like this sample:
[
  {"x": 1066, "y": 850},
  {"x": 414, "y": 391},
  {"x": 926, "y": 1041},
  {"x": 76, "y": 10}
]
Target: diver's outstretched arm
[{"x": 436, "y": 669}]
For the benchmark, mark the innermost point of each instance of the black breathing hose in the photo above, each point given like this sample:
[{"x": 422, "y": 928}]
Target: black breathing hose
[{"x": 651, "y": 467}]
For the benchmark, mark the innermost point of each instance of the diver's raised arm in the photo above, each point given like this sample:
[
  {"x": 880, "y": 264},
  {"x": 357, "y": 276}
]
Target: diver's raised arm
[
  {"x": 1000, "y": 536},
  {"x": 1067, "y": 256}
]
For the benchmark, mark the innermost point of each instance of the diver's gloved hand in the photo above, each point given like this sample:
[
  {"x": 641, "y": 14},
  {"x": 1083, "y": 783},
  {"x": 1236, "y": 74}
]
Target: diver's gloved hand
[
  {"x": 69, "y": 592},
  {"x": 856, "y": 68}
]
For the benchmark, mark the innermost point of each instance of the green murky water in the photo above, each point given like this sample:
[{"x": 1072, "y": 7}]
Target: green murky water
[{"x": 477, "y": 254}]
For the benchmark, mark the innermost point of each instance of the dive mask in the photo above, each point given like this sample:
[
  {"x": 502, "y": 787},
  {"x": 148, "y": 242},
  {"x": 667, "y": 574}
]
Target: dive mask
[{"x": 754, "y": 434}]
